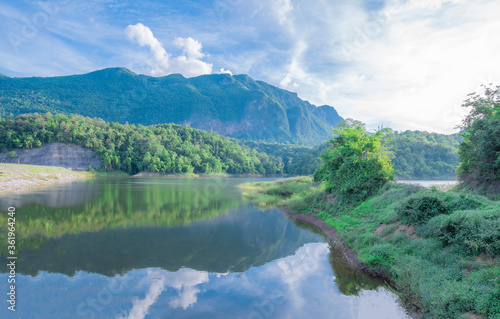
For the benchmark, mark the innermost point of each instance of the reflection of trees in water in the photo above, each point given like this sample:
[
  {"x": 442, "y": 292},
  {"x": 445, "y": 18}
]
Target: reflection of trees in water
[
  {"x": 109, "y": 203},
  {"x": 349, "y": 279},
  {"x": 66, "y": 195},
  {"x": 246, "y": 238}
]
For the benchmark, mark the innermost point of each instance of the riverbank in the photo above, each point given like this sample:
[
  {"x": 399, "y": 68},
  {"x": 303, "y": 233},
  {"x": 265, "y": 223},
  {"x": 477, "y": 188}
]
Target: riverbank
[
  {"x": 440, "y": 249},
  {"x": 19, "y": 177}
]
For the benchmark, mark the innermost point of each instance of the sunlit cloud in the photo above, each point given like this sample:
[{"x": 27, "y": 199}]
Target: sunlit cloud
[{"x": 189, "y": 64}]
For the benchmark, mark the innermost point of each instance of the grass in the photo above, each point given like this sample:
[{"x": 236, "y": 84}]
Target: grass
[{"x": 440, "y": 248}]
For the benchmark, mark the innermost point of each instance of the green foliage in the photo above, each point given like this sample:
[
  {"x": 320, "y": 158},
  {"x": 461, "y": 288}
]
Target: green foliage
[
  {"x": 480, "y": 150},
  {"x": 417, "y": 155},
  {"x": 422, "y": 155},
  {"x": 356, "y": 165},
  {"x": 423, "y": 205},
  {"x": 13, "y": 154},
  {"x": 166, "y": 148},
  {"x": 235, "y": 106},
  {"x": 420, "y": 209},
  {"x": 297, "y": 159},
  {"x": 474, "y": 231},
  {"x": 281, "y": 192}
]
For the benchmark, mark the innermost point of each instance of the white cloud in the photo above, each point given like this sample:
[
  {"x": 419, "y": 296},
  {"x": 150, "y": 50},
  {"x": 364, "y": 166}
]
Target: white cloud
[
  {"x": 162, "y": 63},
  {"x": 224, "y": 71},
  {"x": 184, "y": 281},
  {"x": 140, "y": 307},
  {"x": 283, "y": 8}
]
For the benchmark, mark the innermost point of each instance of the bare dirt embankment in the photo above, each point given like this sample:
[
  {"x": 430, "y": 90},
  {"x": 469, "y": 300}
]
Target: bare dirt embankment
[
  {"x": 17, "y": 177},
  {"x": 71, "y": 156}
]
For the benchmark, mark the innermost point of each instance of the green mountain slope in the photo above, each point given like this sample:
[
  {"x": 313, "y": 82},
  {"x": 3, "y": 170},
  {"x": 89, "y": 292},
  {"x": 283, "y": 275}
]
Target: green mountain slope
[
  {"x": 235, "y": 106},
  {"x": 164, "y": 148}
]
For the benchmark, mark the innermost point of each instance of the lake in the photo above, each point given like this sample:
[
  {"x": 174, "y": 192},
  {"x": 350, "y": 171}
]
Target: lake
[{"x": 124, "y": 247}]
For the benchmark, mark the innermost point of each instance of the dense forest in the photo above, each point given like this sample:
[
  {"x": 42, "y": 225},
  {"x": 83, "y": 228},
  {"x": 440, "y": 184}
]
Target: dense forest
[
  {"x": 235, "y": 106},
  {"x": 422, "y": 155},
  {"x": 164, "y": 148},
  {"x": 297, "y": 159},
  {"x": 416, "y": 154}
]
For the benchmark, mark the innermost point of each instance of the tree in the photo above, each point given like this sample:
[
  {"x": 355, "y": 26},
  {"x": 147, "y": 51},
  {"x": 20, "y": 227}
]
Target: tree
[
  {"x": 356, "y": 165},
  {"x": 480, "y": 150}
]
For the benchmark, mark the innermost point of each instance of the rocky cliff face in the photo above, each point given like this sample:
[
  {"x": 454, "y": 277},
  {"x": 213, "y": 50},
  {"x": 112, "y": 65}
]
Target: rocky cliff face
[{"x": 56, "y": 154}]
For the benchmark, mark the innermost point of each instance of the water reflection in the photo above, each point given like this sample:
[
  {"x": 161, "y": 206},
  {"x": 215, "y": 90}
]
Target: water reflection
[
  {"x": 296, "y": 286},
  {"x": 59, "y": 195},
  {"x": 241, "y": 239},
  {"x": 177, "y": 248}
]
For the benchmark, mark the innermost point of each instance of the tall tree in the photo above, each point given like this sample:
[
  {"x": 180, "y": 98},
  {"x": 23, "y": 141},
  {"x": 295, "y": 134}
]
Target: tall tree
[
  {"x": 356, "y": 165},
  {"x": 480, "y": 150}
]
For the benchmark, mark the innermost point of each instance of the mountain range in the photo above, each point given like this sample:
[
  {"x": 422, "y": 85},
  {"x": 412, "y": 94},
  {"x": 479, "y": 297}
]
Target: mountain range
[{"x": 235, "y": 106}]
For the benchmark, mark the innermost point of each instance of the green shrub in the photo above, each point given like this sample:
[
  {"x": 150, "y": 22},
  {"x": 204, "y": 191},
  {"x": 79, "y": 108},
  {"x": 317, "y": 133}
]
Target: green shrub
[
  {"x": 418, "y": 210},
  {"x": 473, "y": 231},
  {"x": 380, "y": 257},
  {"x": 486, "y": 290},
  {"x": 462, "y": 202}
]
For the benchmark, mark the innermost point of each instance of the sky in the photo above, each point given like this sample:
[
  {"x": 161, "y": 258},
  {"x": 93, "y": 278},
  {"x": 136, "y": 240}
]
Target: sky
[{"x": 404, "y": 64}]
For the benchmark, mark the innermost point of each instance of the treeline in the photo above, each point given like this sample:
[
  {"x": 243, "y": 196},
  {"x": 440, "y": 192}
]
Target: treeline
[
  {"x": 297, "y": 159},
  {"x": 417, "y": 155},
  {"x": 165, "y": 148},
  {"x": 422, "y": 155}
]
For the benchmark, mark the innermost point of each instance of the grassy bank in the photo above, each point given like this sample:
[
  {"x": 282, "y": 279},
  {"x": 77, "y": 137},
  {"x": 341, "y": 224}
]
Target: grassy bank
[
  {"x": 440, "y": 248},
  {"x": 16, "y": 177}
]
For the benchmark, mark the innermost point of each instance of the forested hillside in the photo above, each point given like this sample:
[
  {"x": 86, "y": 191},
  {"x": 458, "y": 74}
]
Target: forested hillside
[
  {"x": 235, "y": 106},
  {"x": 417, "y": 155},
  {"x": 165, "y": 148},
  {"x": 422, "y": 155}
]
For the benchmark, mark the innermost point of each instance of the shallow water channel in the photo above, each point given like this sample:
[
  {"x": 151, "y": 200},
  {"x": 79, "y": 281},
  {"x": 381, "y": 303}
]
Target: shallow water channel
[{"x": 123, "y": 247}]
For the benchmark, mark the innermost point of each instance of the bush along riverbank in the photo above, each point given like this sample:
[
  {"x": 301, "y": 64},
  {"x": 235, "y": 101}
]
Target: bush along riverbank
[{"x": 441, "y": 250}]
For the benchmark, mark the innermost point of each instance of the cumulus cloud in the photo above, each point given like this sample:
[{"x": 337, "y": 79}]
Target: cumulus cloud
[
  {"x": 162, "y": 63},
  {"x": 224, "y": 71}
]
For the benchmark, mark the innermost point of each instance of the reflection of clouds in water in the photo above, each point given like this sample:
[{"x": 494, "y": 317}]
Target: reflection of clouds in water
[
  {"x": 296, "y": 269},
  {"x": 378, "y": 305},
  {"x": 184, "y": 281},
  {"x": 297, "y": 286},
  {"x": 307, "y": 284}
]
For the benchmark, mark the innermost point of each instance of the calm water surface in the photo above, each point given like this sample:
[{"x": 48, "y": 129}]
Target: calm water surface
[{"x": 175, "y": 248}]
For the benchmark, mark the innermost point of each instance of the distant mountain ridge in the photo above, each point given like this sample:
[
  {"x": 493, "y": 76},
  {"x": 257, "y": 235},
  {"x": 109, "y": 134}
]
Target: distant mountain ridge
[{"x": 235, "y": 106}]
